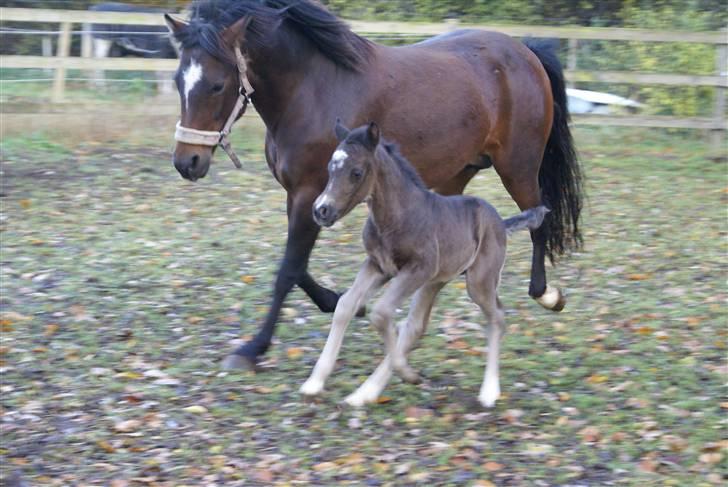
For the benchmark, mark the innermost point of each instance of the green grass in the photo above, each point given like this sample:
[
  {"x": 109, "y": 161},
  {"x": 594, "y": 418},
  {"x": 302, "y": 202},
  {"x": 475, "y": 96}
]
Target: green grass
[{"x": 113, "y": 267}]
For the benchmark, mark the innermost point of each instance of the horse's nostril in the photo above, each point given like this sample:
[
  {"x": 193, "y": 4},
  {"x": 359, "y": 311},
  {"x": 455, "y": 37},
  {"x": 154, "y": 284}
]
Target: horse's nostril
[
  {"x": 194, "y": 161},
  {"x": 323, "y": 211}
]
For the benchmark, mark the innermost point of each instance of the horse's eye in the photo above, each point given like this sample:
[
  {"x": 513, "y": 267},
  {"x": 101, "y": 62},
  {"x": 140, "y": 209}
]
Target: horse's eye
[
  {"x": 217, "y": 88},
  {"x": 356, "y": 174}
]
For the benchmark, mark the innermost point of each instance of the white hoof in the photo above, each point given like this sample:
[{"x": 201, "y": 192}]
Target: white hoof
[
  {"x": 312, "y": 387},
  {"x": 489, "y": 395},
  {"x": 552, "y": 299},
  {"x": 364, "y": 395}
]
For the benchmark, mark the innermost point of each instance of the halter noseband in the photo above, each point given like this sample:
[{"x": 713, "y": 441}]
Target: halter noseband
[{"x": 213, "y": 138}]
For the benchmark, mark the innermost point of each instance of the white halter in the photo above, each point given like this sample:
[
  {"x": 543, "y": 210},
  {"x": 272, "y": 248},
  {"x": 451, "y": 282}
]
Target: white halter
[{"x": 212, "y": 138}]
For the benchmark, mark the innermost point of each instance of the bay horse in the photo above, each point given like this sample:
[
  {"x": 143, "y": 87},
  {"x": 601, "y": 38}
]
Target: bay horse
[
  {"x": 417, "y": 241},
  {"x": 457, "y": 103}
]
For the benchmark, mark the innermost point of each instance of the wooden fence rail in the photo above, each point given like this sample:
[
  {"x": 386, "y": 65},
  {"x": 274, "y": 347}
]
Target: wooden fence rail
[{"x": 716, "y": 124}]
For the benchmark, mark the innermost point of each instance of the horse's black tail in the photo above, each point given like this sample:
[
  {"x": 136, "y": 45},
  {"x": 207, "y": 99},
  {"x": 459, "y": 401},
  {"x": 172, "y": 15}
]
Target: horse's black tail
[{"x": 560, "y": 176}]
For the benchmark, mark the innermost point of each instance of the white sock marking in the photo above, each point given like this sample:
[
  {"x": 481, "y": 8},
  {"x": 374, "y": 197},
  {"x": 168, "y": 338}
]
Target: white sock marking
[
  {"x": 550, "y": 297},
  {"x": 191, "y": 76}
]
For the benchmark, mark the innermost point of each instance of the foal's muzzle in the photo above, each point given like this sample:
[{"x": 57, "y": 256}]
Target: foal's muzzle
[{"x": 324, "y": 215}]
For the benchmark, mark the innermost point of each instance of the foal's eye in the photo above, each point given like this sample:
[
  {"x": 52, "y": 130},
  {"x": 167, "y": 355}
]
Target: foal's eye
[
  {"x": 217, "y": 88},
  {"x": 356, "y": 174}
]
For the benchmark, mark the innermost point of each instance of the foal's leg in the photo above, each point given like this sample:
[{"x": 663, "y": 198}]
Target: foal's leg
[
  {"x": 302, "y": 233},
  {"x": 413, "y": 329},
  {"x": 366, "y": 283},
  {"x": 401, "y": 287},
  {"x": 482, "y": 280}
]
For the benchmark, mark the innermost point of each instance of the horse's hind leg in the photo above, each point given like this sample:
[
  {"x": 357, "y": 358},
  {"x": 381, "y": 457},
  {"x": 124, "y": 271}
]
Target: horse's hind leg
[
  {"x": 482, "y": 280},
  {"x": 413, "y": 329},
  {"x": 518, "y": 169}
]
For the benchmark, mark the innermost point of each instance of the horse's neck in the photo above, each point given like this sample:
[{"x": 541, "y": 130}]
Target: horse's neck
[
  {"x": 279, "y": 75},
  {"x": 394, "y": 194}
]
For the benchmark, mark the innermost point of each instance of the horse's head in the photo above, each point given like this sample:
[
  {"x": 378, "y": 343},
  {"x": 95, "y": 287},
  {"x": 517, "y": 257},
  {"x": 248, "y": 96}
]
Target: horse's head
[
  {"x": 351, "y": 173},
  {"x": 209, "y": 87}
]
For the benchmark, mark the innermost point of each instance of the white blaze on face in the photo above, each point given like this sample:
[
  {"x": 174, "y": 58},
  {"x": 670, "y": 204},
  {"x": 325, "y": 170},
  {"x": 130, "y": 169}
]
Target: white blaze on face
[
  {"x": 321, "y": 200},
  {"x": 191, "y": 76},
  {"x": 338, "y": 158}
]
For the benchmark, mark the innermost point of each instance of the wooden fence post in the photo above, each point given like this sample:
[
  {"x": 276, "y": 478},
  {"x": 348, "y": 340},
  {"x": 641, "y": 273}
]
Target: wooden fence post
[
  {"x": 718, "y": 135},
  {"x": 46, "y": 46},
  {"x": 64, "y": 50},
  {"x": 571, "y": 60}
]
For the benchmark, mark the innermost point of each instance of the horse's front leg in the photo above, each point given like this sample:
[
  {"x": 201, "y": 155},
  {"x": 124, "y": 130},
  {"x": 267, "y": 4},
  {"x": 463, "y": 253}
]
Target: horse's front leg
[
  {"x": 302, "y": 234},
  {"x": 367, "y": 281}
]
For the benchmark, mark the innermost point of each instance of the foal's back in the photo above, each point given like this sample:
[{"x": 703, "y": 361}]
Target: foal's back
[{"x": 464, "y": 227}]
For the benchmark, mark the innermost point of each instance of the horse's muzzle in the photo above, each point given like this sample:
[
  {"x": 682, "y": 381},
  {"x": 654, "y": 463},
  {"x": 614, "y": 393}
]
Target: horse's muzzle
[{"x": 193, "y": 165}]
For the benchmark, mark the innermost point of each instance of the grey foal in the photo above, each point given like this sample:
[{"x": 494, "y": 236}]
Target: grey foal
[{"x": 419, "y": 241}]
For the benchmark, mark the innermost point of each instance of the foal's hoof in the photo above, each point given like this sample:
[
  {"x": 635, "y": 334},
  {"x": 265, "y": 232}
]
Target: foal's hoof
[
  {"x": 552, "y": 299},
  {"x": 238, "y": 362},
  {"x": 408, "y": 374}
]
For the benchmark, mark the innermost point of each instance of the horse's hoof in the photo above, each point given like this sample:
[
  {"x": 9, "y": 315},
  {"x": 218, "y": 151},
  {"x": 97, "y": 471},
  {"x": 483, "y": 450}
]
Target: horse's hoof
[
  {"x": 552, "y": 299},
  {"x": 238, "y": 362}
]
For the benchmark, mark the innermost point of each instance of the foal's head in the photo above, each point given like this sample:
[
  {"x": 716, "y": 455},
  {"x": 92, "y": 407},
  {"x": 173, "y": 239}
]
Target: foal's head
[{"x": 351, "y": 173}]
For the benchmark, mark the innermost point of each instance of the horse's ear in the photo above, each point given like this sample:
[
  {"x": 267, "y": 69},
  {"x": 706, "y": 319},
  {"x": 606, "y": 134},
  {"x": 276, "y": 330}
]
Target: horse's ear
[
  {"x": 373, "y": 135},
  {"x": 340, "y": 131},
  {"x": 236, "y": 32},
  {"x": 174, "y": 24}
]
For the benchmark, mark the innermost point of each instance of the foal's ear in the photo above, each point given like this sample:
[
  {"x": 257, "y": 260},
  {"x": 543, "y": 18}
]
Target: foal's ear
[
  {"x": 340, "y": 131},
  {"x": 174, "y": 24},
  {"x": 373, "y": 135},
  {"x": 235, "y": 33}
]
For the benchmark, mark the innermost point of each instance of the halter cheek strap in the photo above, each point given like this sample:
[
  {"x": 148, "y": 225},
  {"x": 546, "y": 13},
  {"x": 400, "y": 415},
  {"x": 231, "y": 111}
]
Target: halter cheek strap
[{"x": 212, "y": 138}]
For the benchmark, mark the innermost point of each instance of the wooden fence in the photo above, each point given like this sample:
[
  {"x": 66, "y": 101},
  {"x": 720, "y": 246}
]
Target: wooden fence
[{"x": 716, "y": 124}]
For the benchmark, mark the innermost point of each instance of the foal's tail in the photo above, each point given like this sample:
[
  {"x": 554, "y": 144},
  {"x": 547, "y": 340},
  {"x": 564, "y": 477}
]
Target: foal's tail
[
  {"x": 531, "y": 219},
  {"x": 560, "y": 176}
]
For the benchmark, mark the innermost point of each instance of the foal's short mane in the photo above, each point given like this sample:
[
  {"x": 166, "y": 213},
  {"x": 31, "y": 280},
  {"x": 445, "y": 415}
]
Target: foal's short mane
[
  {"x": 404, "y": 165},
  {"x": 330, "y": 35}
]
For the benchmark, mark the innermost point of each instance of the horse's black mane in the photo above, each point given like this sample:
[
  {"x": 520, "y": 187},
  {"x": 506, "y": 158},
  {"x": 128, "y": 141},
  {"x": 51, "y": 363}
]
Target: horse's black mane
[{"x": 331, "y": 36}]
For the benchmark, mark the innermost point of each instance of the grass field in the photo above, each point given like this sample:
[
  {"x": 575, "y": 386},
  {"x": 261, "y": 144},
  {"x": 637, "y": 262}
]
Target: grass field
[{"x": 123, "y": 287}]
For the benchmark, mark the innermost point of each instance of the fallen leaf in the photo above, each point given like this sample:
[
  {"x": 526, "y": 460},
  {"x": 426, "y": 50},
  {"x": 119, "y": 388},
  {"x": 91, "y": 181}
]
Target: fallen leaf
[
  {"x": 248, "y": 279},
  {"x": 590, "y": 434},
  {"x": 386, "y": 399},
  {"x": 512, "y": 415},
  {"x": 324, "y": 466},
  {"x": 51, "y": 329},
  {"x": 127, "y": 426},
  {"x": 483, "y": 483},
  {"x": 194, "y": 320},
  {"x": 597, "y": 379},
  {"x": 638, "y": 277},
  {"x": 106, "y": 446},
  {"x": 493, "y": 466},
  {"x": 415, "y": 413},
  {"x": 711, "y": 458},
  {"x": 294, "y": 353},
  {"x": 196, "y": 409}
]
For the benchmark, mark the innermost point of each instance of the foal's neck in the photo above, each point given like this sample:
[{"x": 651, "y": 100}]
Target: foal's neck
[{"x": 395, "y": 193}]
